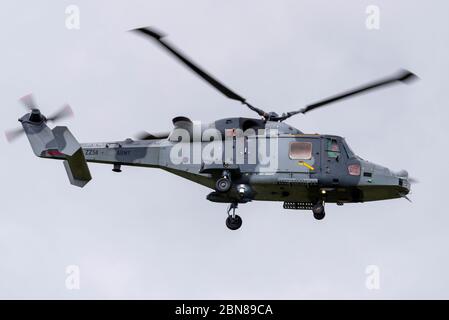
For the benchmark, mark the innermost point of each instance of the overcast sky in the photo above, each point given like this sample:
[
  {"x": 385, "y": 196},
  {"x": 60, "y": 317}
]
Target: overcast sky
[{"x": 147, "y": 234}]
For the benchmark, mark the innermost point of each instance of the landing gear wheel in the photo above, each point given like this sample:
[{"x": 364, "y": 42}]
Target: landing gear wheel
[
  {"x": 319, "y": 216},
  {"x": 233, "y": 223},
  {"x": 318, "y": 211},
  {"x": 223, "y": 185}
]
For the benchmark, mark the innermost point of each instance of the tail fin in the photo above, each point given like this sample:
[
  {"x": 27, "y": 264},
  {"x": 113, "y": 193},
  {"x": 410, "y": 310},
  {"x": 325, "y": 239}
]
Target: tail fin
[
  {"x": 40, "y": 136},
  {"x": 59, "y": 143}
]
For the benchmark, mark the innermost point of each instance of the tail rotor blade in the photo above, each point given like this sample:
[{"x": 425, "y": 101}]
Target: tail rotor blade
[
  {"x": 35, "y": 116},
  {"x": 28, "y": 101},
  {"x": 64, "y": 112},
  {"x": 13, "y": 134}
]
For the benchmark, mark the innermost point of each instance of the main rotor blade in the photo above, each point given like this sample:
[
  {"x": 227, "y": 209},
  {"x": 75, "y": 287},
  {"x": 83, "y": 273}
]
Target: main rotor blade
[
  {"x": 13, "y": 134},
  {"x": 64, "y": 112},
  {"x": 403, "y": 76},
  {"x": 143, "y": 135},
  {"x": 155, "y": 35}
]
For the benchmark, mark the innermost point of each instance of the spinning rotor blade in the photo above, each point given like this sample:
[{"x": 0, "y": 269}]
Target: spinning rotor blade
[
  {"x": 143, "y": 135},
  {"x": 13, "y": 134},
  {"x": 64, "y": 112},
  {"x": 28, "y": 101},
  {"x": 403, "y": 76},
  {"x": 155, "y": 35}
]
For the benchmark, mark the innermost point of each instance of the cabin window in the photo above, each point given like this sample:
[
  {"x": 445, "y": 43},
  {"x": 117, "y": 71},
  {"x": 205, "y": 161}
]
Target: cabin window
[
  {"x": 300, "y": 150},
  {"x": 332, "y": 148}
]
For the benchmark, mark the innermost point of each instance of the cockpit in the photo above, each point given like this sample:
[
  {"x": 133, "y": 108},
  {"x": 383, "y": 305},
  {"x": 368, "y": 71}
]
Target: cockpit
[{"x": 336, "y": 146}]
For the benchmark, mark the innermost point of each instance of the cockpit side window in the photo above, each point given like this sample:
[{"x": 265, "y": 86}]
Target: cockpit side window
[
  {"x": 300, "y": 150},
  {"x": 332, "y": 148}
]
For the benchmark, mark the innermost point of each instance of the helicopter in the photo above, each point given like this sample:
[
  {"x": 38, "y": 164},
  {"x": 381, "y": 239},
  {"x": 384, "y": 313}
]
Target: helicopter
[{"x": 240, "y": 159}]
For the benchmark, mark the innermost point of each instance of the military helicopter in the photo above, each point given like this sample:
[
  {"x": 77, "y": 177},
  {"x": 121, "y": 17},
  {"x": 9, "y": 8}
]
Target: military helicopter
[{"x": 310, "y": 170}]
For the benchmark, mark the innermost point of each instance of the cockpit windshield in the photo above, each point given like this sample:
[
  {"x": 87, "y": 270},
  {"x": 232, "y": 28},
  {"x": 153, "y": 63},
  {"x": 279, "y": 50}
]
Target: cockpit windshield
[{"x": 348, "y": 150}]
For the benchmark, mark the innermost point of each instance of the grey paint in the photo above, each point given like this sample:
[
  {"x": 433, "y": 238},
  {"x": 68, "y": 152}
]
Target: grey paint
[
  {"x": 289, "y": 181},
  {"x": 132, "y": 240}
]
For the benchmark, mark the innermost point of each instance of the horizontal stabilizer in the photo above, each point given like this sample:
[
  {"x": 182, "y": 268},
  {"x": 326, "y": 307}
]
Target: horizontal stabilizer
[
  {"x": 77, "y": 169},
  {"x": 75, "y": 163}
]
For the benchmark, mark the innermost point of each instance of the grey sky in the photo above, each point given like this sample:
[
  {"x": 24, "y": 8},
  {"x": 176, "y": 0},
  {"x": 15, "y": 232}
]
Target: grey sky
[{"x": 148, "y": 234}]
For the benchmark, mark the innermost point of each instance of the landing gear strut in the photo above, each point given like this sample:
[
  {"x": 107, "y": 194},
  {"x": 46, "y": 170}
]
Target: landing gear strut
[
  {"x": 233, "y": 221},
  {"x": 318, "y": 210}
]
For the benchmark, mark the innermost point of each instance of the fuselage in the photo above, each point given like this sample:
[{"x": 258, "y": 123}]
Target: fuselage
[
  {"x": 285, "y": 165},
  {"x": 265, "y": 160}
]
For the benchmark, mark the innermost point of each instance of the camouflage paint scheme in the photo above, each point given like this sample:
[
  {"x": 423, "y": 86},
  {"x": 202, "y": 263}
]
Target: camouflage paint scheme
[{"x": 322, "y": 177}]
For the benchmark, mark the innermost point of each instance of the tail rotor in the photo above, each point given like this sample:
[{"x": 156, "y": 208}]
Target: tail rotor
[{"x": 35, "y": 116}]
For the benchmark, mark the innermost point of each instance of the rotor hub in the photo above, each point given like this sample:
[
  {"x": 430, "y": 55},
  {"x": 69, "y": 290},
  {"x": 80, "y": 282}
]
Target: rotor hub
[{"x": 36, "y": 116}]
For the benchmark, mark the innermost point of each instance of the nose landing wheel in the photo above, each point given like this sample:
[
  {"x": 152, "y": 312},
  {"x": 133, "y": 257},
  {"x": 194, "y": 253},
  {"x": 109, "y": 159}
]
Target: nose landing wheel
[{"x": 233, "y": 221}]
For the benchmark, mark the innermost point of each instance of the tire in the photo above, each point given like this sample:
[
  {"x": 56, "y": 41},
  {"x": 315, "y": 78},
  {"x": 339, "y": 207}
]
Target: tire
[
  {"x": 319, "y": 216},
  {"x": 318, "y": 208},
  {"x": 233, "y": 223},
  {"x": 223, "y": 185}
]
